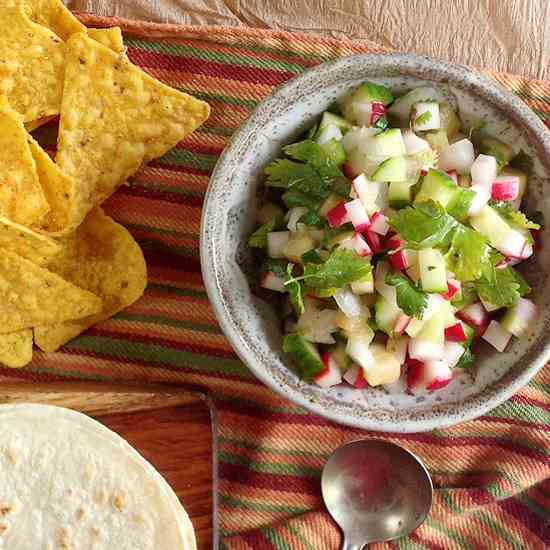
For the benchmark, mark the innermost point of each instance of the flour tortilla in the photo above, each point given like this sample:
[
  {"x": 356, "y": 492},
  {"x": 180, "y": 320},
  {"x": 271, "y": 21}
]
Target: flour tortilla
[{"x": 67, "y": 481}]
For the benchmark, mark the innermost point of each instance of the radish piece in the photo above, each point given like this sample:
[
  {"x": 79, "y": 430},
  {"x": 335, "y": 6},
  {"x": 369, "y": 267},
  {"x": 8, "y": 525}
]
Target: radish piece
[
  {"x": 294, "y": 215},
  {"x": 362, "y": 112},
  {"x": 271, "y": 281},
  {"x": 508, "y": 262},
  {"x": 375, "y": 242},
  {"x": 414, "y": 144},
  {"x": 330, "y": 375},
  {"x": 399, "y": 260},
  {"x": 476, "y": 316},
  {"x": 453, "y": 287},
  {"x": 453, "y": 175},
  {"x": 358, "y": 349},
  {"x": 350, "y": 304},
  {"x": 377, "y": 111},
  {"x": 527, "y": 251},
  {"x": 433, "y": 122},
  {"x": 515, "y": 244},
  {"x": 401, "y": 324},
  {"x": 398, "y": 346},
  {"x": 484, "y": 170},
  {"x": 505, "y": 188},
  {"x": 435, "y": 302},
  {"x": 329, "y": 132},
  {"x": 455, "y": 333},
  {"x": 355, "y": 377},
  {"x": 424, "y": 350},
  {"x": 429, "y": 376},
  {"x": 452, "y": 353},
  {"x": 348, "y": 171},
  {"x": 394, "y": 242},
  {"x": 357, "y": 215},
  {"x": 338, "y": 215},
  {"x": 497, "y": 336},
  {"x": 379, "y": 224},
  {"x": 520, "y": 317},
  {"x": 481, "y": 198},
  {"x": 367, "y": 191},
  {"x": 276, "y": 243},
  {"x": 458, "y": 156},
  {"x": 360, "y": 245}
]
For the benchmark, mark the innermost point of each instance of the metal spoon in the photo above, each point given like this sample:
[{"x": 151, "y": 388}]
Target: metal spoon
[{"x": 376, "y": 491}]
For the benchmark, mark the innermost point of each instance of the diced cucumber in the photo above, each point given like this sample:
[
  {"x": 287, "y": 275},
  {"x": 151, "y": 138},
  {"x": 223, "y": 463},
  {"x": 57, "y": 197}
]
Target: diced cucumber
[
  {"x": 492, "y": 226},
  {"x": 400, "y": 194},
  {"x": 385, "y": 368},
  {"x": 400, "y": 111},
  {"x": 304, "y": 354},
  {"x": 335, "y": 151},
  {"x": 335, "y": 120},
  {"x": 414, "y": 327},
  {"x": 501, "y": 151},
  {"x": 387, "y": 144},
  {"x": 449, "y": 120},
  {"x": 386, "y": 314},
  {"x": 433, "y": 273},
  {"x": 297, "y": 246},
  {"x": 433, "y": 330},
  {"x": 392, "y": 170},
  {"x": 436, "y": 186},
  {"x": 365, "y": 285},
  {"x": 438, "y": 140},
  {"x": 520, "y": 318},
  {"x": 460, "y": 203}
]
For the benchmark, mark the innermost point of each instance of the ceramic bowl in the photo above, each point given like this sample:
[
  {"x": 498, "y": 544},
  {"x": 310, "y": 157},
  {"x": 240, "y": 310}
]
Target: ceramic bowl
[{"x": 251, "y": 325}]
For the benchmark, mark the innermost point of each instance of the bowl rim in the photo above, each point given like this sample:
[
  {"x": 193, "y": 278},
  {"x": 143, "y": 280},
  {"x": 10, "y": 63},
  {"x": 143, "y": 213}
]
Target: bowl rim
[{"x": 210, "y": 268}]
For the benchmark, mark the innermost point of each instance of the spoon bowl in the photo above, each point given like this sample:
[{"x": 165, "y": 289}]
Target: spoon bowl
[{"x": 376, "y": 491}]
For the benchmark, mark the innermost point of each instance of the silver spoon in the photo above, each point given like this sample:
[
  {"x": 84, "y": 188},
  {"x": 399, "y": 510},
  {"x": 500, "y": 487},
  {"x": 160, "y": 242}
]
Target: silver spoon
[{"x": 375, "y": 491}]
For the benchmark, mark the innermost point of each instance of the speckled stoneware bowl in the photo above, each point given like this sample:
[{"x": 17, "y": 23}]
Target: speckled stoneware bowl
[{"x": 228, "y": 218}]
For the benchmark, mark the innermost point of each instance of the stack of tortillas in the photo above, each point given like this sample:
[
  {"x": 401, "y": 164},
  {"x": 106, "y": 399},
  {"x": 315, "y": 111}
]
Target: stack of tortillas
[
  {"x": 69, "y": 483},
  {"x": 65, "y": 265}
]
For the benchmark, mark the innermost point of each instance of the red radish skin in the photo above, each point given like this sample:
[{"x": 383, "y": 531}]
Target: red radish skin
[
  {"x": 401, "y": 324},
  {"x": 379, "y": 224},
  {"x": 357, "y": 215},
  {"x": 476, "y": 316},
  {"x": 439, "y": 382},
  {"x": 455, "y": 333},
  {"x": 377, "y": 112},
  {"x": 330, "y": 375},
  {"x": 355, "y": 377},
  {"x": 395, "y": 242},
  {"x": 505, "y": 188},
  {"x": 399, "y": 260},
  {"x": 454, "y": 175},
  {"x": 453, "y": 287},
  {"x": 271, "y": 281},
  {"x": 429, "y": 376},
  {"x": 360, "y": 245},
  {"x": 348, "y": 171},
  {"x": 338, "y": 215},
  {"x": 423, "y": 172},
  {"x": 375, "y": 242}
]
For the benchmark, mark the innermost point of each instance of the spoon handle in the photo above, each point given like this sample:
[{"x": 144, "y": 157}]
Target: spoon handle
[{"x": 351, "y": 545}]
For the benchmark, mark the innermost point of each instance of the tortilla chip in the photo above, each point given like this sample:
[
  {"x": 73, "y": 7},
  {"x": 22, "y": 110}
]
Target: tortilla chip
[
  {"x": 16, "y": 348},
  {"x": 114, "y": 117},
  {"x": 32, "y": 65},
  {"x": 51, "y": 14},
  {"x": 37, "y": 248},
  {"x": 102, "y": 257},
  {"x": 21, "y": 197},
  {"x": 111, "y": 37},
  {"x": 31, "y": 295},
  {"x": 59, "y": 190}
]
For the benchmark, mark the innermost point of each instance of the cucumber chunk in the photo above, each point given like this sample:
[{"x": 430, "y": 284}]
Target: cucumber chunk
[
  {"x": 335, "y": 120},
  {"x": 433, "y": 274},
  {"x": 437, "y": 186},
  {"x": 501, "y": 151},
  {"x": 387, "y": 144},
  {"x": 386, "y": 315},
  {"x": 304, "y": 354},
  {"x": 400, "y": 194},
  {"x": 391, "y": 170},
  {"x": 335, "y": 151}
]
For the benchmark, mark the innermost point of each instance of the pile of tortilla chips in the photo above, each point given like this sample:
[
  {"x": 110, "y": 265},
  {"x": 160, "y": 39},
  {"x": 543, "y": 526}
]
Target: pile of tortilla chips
[{"x": 64, "y": 264}]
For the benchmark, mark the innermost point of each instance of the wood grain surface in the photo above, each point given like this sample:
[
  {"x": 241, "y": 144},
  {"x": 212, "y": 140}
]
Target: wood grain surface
[{"x": 172, "y": 427}]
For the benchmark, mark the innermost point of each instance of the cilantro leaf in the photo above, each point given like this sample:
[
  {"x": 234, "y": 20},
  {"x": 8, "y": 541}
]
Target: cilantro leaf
[
  {"x": 381, "y": 124},
  {"x": 258, "y": 239},
  {"x": 423, "y": 118},
  {"x": 288, "y": 174},
  {"x": 313, "y": 219},
  {"x": 294, "y": 289},
  {"x": 502, "y": 288},
  {"x": 469, "y": 255},
  {"x": 409, "y": 298},
  {"x": 296, "y": 198},
  {"x": 467, "y": 359},
  {"x": 341, "y": 267},
  {"x": 424, "y": 225},
  {"x": 515, "y": 218}
]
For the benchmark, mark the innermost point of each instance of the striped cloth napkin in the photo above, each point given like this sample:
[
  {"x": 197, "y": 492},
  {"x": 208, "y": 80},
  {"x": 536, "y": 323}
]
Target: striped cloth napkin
[{"x": 492, "y": 475}]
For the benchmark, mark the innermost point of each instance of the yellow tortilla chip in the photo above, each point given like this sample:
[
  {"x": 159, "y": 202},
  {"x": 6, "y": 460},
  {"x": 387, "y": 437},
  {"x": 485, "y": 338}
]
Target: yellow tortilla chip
[
  {"x": 37, "y": 248},
  {"x": 111, "y": 37},
  {"x": 51, "y": 14},
  {"x": 114, "y": 117},
  {"x": 59, "y": 190},
  {"x": 31, "y": 295},
  {"x": 104, "y": 258},
  {"x": 21, "y": 197},
  {"x": 32, "y": 65},
  {"x": 16, "y": 348}
]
